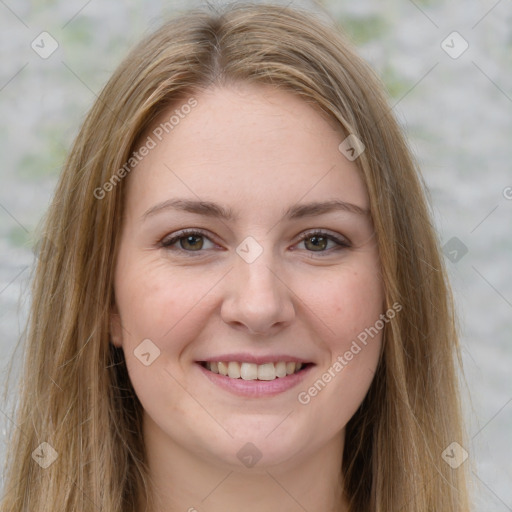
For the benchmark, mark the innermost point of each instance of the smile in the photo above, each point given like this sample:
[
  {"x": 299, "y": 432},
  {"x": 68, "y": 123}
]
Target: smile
[{"x": 252, "y": 371}]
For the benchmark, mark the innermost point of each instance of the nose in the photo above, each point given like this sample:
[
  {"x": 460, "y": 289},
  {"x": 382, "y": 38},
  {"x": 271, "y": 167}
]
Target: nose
[{"x": 257, "y": 298}]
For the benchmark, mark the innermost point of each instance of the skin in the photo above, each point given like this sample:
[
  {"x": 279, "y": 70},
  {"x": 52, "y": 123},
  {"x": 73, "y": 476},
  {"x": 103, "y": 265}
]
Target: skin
[{"x": 258, "y": 151}]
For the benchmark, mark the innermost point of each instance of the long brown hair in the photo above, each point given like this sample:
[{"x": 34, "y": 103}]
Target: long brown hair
[{"x": 75, "y": 393}]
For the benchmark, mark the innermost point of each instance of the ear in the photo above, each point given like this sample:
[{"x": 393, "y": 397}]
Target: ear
[{"x": 116, "y": 329}]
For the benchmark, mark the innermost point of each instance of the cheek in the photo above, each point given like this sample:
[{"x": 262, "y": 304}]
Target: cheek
[
  {"x": 154, "y": 298},
  {"x": 348, "y": 301},
  {"x": 349, "y": 306},
  {"x": 157, "y": 304}
]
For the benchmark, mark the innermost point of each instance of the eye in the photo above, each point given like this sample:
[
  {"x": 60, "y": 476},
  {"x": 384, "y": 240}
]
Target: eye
[
  {"x": 190, "y": 240},
  {"x": 318, "y": 241}
]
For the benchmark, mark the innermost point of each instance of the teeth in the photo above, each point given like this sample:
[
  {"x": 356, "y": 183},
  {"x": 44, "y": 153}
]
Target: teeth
[
  {"x": 280, "y": 369},
  {"x": 251, "y": 371},
  {"x": 223, "y": 369},
  {"x": 266, "y": 371},
  {"x": 233, "y": 370}
]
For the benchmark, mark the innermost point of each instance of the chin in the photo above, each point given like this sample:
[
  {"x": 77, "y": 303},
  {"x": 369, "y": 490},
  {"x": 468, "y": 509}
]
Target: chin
[{"x": 258, "y": 450}]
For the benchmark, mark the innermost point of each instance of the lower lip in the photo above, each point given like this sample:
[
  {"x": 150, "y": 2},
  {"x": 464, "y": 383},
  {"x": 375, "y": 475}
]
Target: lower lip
[{"x": 256, "y": 388}]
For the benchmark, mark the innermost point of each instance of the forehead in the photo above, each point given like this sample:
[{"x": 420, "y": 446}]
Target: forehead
[{"x": 248, "y": 146}]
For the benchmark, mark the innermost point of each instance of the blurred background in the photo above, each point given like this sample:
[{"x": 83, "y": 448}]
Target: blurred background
[{"x": 447, "y": 67}]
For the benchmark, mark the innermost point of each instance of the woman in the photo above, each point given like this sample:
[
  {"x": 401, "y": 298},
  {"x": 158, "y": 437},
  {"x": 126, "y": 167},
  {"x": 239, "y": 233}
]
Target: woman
[{"x": 188, "y": 349}]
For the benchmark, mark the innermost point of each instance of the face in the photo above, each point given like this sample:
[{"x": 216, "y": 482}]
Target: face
[{"x": 279, "y": 280}]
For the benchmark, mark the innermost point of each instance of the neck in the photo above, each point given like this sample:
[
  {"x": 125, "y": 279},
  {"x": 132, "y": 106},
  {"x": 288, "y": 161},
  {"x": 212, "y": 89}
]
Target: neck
[{"x": 183, "y": 481}]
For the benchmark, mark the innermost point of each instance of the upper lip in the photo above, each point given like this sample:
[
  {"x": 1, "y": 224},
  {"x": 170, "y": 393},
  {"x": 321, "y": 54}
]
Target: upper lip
[{"x": 251, "y": 358}]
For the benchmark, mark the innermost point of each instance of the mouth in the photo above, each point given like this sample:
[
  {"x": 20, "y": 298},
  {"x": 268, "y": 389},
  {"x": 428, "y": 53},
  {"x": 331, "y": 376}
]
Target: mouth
[
  {"x": 252, "y": 376},
  {"x": 250, "y": 371},
  {"x": 255, "y": 376}
]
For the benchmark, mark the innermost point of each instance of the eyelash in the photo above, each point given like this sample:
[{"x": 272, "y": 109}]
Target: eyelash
[{"x": 167, "y": 243}]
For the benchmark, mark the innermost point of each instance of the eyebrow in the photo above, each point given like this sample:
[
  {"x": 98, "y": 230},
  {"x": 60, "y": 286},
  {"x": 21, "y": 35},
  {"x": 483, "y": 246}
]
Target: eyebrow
[{"x": 210, "y": 209}]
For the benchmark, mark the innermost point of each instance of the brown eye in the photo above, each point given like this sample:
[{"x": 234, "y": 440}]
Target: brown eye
[
  {"x": 318, "y": 243},
  {"x": 191, "y": 242}
]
